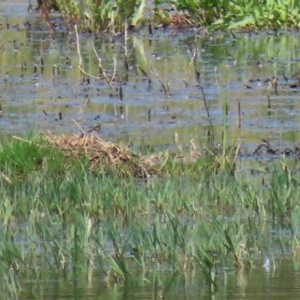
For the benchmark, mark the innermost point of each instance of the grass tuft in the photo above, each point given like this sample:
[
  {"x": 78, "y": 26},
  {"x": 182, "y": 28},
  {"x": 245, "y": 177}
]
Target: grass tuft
[{"x": 61, "y": 211}]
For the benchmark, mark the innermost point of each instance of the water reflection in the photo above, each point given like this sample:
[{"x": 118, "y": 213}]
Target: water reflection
[
  {"x": 276, "y": 283},
  {"x": 42, "y": 86},
  {"x": 282, "y": 282}
]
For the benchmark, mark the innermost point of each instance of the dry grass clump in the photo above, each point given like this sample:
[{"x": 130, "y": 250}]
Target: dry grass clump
[{"x": 101, "y": 153}]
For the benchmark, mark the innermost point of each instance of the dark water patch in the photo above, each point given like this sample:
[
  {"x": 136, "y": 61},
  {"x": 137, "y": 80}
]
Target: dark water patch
[{"x": 277, "y": 281}]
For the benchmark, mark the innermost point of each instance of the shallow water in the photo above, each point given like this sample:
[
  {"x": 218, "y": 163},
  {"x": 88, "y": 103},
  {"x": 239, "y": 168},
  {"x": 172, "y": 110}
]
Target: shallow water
[
  {"x": 42, "y": 88},
  {"x": 277, "y": 282}
]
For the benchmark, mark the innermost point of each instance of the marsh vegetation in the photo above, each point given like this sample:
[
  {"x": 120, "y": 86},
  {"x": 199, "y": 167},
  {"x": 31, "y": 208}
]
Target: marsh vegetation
[
  {"x": 80, "y": 204},
  {"x": 147, "y": 213},
  {"x": 114, "y": 16}
]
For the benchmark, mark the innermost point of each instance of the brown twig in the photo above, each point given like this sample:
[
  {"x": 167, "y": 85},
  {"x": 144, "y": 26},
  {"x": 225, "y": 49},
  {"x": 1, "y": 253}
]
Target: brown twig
[{"x": 80, "y": 66}]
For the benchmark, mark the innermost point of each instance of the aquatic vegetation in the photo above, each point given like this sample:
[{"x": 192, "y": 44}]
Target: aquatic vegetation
[
  {"x": 252, "y": 14},
  {"x": 62, "y": 212},
  {"x": 75, "y": 204},
  {"x": 116, "y": 16},
  {"x": 103, "y": 15}
]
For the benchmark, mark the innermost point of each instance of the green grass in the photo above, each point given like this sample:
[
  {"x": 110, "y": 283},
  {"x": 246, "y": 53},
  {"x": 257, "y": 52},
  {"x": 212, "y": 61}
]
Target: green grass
[
  {"x": 105, "y": 15},
  {"x": 58, "y": 215}
]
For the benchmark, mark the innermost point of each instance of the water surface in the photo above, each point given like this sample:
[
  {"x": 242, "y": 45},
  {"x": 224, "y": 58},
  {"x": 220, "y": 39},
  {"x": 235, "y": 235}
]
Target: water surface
[
  {"x": 43, "y": 88},
  {"x": 277, "y": 282}
]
